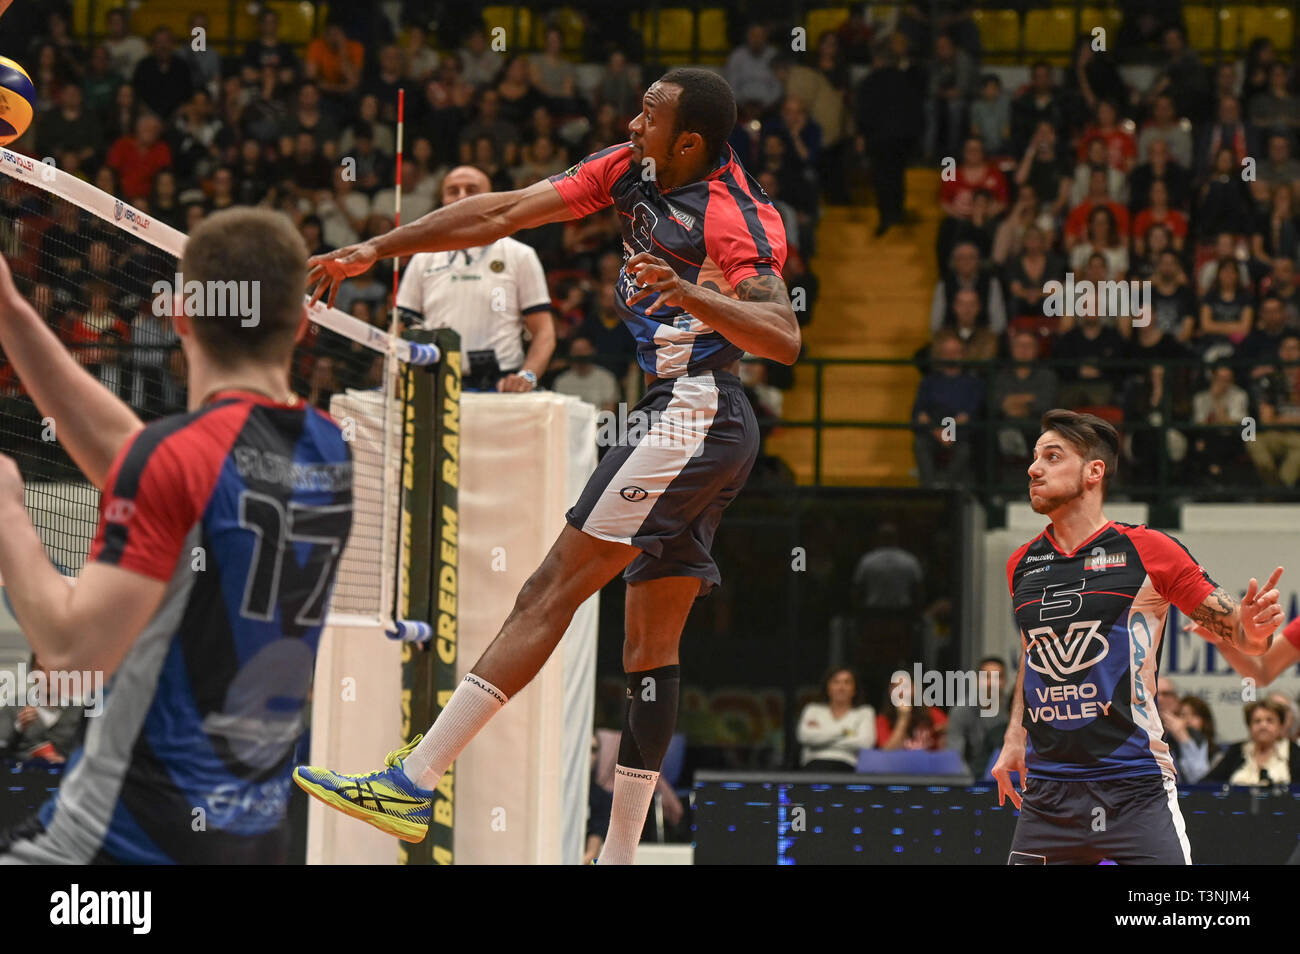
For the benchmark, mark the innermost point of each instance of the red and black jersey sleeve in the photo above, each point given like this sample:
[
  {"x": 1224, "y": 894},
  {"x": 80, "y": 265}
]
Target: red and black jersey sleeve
[
  {"x": 585, "y": 188},
  {"x": 1174, "y": 573},
  {"x": 1292, "y": 632},
  {"x": 744, "y": 236},
  {"x": 150, "y": 501}
]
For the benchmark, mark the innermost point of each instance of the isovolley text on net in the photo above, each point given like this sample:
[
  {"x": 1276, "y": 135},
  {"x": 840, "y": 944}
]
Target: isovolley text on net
[
  {"x": 42, "y": 688},
  {"x": 949, "y": 688},
  {"x": 1087, "y": 299}
]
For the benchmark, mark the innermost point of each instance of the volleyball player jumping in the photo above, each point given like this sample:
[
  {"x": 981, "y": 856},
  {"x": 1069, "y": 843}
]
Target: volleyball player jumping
[
  {"x": 205, "y": 591},
  {"x": 1091, "y": 597},
  {"x": 701, "y": 284}
]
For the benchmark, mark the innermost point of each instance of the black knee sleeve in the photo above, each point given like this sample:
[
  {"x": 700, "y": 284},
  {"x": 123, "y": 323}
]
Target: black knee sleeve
[{"x": 649, "y": 717}]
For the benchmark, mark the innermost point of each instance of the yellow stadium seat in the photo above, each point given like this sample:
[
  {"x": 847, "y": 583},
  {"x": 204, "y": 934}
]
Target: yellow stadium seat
[
  {"x": 1049, "y": 31},
  {"x": 1275, "y": 23},
  {"x": 505, "y": 18},
  {"x": 676, "y": 31},
  {"x": 176, "y": 17},
  {"x": 999, "y": 30},
  {"x": 1108, "y": 18},
  {"x": 298, "y": 20},
  {"x": 824, "y": 21},
  {"x": 1200, "y": 28},
  {"x": 712, "y": 24}
]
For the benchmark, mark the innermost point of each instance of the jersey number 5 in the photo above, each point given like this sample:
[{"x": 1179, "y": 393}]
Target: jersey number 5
[
  {"x": 276, "y": 530},
  {"x": 1061, "y": 600}
]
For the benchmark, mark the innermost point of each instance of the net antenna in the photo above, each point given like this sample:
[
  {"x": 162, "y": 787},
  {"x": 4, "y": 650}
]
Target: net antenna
[{"x": 66, "y": 512}]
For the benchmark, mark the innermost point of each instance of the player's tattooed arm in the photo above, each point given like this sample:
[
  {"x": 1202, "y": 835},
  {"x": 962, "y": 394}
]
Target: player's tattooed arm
[
  {"x": 1249, "y": 625},
  {"x": 763, "y": 288},
  {"x": 1219, "y": 614}
]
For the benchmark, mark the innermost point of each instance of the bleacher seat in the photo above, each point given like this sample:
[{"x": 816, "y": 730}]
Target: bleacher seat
[
  {"x": 1200, "y": 23},
  {"x": 517, "y": 21},
  {"x": 999, "y": 30},
  {"x": 824, "y": 21},
  {"x": 298, "y": 19},
  {"x": 1108, "y": 18},
  {"x": 1049, "y": 32},
  {"x": 1275, "y": 23},
  {"x": 675, "y": 32},
  {"x": 175, "y": 15},
  {"x": 911, "y": 762},
  {"x": 712, "y": 25}
]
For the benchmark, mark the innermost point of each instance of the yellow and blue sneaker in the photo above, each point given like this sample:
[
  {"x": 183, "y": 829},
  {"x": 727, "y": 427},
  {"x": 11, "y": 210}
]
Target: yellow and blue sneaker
[{"x": 386, "y": 799}]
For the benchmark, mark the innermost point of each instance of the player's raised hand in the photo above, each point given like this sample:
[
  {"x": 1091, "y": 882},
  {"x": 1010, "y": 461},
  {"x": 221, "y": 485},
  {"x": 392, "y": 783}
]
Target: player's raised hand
[
  {"x": 327, "y": 272},
  {"x": 654, "y": 276},
  {"x": 1010, "y": 759},
  {"x": 1261, "y": 613}
]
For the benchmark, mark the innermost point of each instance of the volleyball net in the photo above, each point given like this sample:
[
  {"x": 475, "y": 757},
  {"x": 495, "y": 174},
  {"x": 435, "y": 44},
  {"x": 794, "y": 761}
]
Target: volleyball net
[{"x": 89, "y": 264}]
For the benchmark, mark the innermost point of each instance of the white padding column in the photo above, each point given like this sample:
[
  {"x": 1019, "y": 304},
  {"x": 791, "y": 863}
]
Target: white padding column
[{"x": 521, "y": 786}]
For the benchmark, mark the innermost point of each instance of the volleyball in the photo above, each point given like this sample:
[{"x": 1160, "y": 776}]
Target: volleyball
[{"x": 17, "y": 100}]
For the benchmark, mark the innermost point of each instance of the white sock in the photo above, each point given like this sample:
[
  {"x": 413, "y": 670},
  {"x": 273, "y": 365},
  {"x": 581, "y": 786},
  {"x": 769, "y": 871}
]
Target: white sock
[
  {"x": 474, "y": 702},
  {"x": 634, "y": 789}
]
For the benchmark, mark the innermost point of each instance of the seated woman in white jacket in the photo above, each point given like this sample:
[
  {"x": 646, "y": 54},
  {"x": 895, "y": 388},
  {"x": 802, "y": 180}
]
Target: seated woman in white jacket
[{"x": 832, "y": 731}]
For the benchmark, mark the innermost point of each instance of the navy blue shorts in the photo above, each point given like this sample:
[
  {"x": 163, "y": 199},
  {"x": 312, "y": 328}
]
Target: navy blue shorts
[
  {"x": 1131, "y": 821},
  {"x": 689, "y": 447}
]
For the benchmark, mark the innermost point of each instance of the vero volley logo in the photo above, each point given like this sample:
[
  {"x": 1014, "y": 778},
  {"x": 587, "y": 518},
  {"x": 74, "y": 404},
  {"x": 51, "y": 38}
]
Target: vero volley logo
[{"x": 1059, "y": 657}]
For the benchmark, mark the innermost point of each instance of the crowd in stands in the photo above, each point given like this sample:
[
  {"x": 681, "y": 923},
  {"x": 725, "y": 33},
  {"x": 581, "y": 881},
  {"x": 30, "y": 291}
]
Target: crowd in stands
[
  {"x": 836, "y": 726},
  {"x": 1188, "y": 184},
  {"x": 179, "y": 133}
]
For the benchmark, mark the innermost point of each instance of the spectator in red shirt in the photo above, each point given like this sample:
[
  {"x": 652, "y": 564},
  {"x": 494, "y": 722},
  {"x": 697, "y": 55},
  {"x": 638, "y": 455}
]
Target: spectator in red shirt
[
  {"x": 1121, "y": 147},
  {"x": 137, "y": 159},
  {"x": 1098, "y": 197},
  {"x": 901, "y": 725},
  {"x": 1159, "y": 213},
  {"x": 973, "y": 174}
]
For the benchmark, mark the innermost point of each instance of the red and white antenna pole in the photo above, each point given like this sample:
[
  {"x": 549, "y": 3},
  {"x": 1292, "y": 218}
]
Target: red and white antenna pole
[{"x": 397, "y": 204}]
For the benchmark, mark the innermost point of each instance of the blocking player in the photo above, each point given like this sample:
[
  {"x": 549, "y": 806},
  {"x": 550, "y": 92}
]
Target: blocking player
[
  {"x": 1281, "y": 656},
  {"x": 1091, "y": 597},
  {"x": 700, "y": 285},
  {"x": 204, "y": 594}
]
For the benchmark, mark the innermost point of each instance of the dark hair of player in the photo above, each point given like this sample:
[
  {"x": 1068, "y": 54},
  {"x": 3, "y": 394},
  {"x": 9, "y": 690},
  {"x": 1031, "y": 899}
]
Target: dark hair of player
[
  {"x": 1092, "y": 437},
  {"x": 706, "y": 106},
  {"x": 249, "y": 245}
]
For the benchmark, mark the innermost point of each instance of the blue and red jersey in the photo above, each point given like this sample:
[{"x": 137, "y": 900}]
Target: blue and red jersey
[
  {"x": 243, "y": 508},
  {"x": 1091, "y": 622},
  {"x": 715, "y": 232}
]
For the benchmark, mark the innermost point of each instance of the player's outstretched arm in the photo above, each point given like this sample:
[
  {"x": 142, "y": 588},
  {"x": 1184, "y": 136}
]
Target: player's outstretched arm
[
  {"x": 472, "y": 221},
  {"x": 92, "y": 423},
  {"x": 1012, "y": 757},
  {"x": 1263, "y": 669},
  {"x": 90, "y": 626},
  {"x": 1248, "y": 626},
  {"x": 760, "y": 319}
]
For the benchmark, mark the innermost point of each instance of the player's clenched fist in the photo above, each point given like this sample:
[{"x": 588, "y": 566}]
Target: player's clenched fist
[
  {"x": 326, "y": 272},
  {"x": 654, "y": 276},
  {"x": 1010, "y": 759}
]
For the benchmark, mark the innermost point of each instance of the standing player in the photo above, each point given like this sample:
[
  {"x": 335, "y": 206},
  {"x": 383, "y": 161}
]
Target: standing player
[
  {"x": 1091, "y": 597},
  {"x": 488, "y": 295},
  {"x": 701, "y": 285},
  {"x": 204, "y": 595}
]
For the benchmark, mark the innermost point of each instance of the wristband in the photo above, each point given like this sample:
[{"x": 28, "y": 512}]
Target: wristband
[{"x": 529, "y": 377}]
